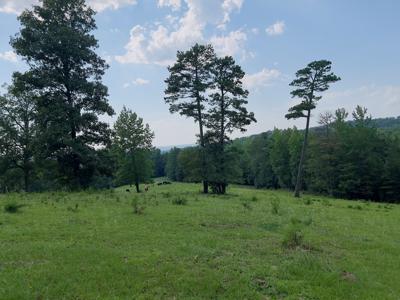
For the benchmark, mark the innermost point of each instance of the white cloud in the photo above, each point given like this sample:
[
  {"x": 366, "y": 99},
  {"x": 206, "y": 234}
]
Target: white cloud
[
  {"x": 261, "y": 79},
  {"x": 9, "y": 56},
  {"x": 174, "y": 4},
  {"x": 276, "y": 29},
  {"x": 140, "y": 81},
  {"x": 228, "y": 7},
  {"x": 17, "y": 6},
  {"x": 158, "y": 44},
  {"x": 137, "y": 81},
  {"x": 100, "y": 5},
  {"x": 231, "y": 44},
  {"x": 255, "y": 30},
  {"x": 381, "y": 101}
]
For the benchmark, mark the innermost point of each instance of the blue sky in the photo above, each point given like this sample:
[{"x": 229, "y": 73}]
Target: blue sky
[{"x": 270, "y": 39}]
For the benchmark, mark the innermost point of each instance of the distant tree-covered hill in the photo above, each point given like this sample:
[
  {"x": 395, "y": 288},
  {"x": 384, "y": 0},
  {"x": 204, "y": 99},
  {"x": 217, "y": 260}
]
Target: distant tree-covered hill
[{"x": 392, "y": 124}]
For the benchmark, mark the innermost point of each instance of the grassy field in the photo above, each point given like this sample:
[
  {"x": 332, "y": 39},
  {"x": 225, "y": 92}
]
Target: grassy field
[{"x": 174, "y": 243}]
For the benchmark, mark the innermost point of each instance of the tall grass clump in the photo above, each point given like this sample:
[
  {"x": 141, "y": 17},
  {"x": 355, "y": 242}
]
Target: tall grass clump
[
  {"x": 179, "y": 201},
  {"x": 293, "y": 238},
  {"x": 275, "y": 207},
  {"x": 137, "y": 208}
]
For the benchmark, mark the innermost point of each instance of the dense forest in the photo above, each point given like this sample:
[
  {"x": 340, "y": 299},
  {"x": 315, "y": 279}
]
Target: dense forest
[
  {"x": 356, "y": 159},
  {"x": 52, "y": 137}
]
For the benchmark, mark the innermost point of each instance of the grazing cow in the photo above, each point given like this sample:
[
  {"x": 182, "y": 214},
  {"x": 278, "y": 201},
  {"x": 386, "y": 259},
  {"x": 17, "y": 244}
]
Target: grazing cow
[
  {"x": 128, "y": 190},
  {"x": 160, "y": 183},
  {"x": 146, "y": 188}
]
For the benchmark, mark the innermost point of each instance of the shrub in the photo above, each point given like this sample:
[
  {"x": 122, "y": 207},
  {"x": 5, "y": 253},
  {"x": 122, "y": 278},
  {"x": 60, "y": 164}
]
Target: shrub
[
  {"x": 326, "y": 202},
  {"x": 166, "y": 194},
  {"x": 254, "y": 199},
  {"x": 137, "y": 208},
  {"x": 247, "y": 205},
  {"x": 293, "y": 238},
  {"x": 307, "y": 202},
  {"x": 75, "y": 209},
  {"x": 275, "y": 207},
  {"x": 179, "y": 201},
  {"x": 307, "y": 221},
  {"x": 12, "y": 208}
]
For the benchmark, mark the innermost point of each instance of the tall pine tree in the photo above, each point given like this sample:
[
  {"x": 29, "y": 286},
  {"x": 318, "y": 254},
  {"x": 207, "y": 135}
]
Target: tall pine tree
[
  {"x": 189, "y": 79},
  {"x": 57, "y": 43},
  {"x": 309, "y": 82},
  {"x": 227, "y": 113}
]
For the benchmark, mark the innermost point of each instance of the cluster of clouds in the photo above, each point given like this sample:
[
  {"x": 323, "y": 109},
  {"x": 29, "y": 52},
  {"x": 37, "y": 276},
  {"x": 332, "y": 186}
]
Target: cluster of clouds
[
  {"x": 187, "y": 22},
  {"x": 381, "y": 100},
  {"x": 17, "y": 6},
  {"x": 158, "y": 43},
  {"x": 137, "y": 81},
  {"x": 9, "y": 56}
]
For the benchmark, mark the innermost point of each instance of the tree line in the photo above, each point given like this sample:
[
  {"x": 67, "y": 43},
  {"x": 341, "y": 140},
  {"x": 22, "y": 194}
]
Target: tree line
[{"x": 353, "y": 159}]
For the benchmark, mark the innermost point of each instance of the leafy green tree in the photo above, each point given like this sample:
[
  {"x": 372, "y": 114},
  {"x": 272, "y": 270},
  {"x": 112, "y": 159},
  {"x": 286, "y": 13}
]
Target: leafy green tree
[
  {"x": 65, "y": 73},
  {"x": 18, "y": 127},
  {"x": 173, "y": 168},
  {"x": 294, "y": 147},
  {"x": 187, "y": 85},
  {"x": 227, "y": 113},
  {"x": 361, "y": 158},
  {"x": 133, "y": 144},
  {"x": 391, "y": 176},
  {"x": 309, "y": 82},
  {"x": 159, "y": 161},
  {"x": 280, "y": 157},
  {"x": 189, "y": 162},
  {"x": 260, "y": 162}
]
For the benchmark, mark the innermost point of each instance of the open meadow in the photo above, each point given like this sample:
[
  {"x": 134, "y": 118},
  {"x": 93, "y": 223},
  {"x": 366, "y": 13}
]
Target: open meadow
[{"x": 175, "y": 243}]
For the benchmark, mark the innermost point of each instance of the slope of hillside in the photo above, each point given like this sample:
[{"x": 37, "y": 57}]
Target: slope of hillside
[{"x": 249, "y": 244}]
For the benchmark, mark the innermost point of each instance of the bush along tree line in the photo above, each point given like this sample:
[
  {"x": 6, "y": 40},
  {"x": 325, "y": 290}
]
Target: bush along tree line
[{"x": 51, "y": 136}]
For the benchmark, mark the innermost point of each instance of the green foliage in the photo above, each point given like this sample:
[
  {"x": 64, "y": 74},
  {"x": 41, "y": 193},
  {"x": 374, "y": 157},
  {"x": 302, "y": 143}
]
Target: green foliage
[
  {"x": 189, "y": 80},
  {"x": 159, "y": 161},
  {"x": 293, "y": 238},
  {"x": 173, "y": 167},
  {"x": 18, "y": 130},
  {"x": 133, "y": 146},
  {"x": 209, "y": 89},
  {"x": 275, "y": 206},
  {"x": 64, "y": 75},
  {"x": 12, "y": 207},
  {"x": 180, "y": 200},
  {"x": 310, "y": 81},
  {"x": 138, "y": 209}
]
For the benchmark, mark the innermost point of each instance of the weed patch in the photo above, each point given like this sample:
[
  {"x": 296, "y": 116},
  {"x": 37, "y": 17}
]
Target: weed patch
[
  {"x": 179, "y": 201},
  {"x": 12, "y": 207}
]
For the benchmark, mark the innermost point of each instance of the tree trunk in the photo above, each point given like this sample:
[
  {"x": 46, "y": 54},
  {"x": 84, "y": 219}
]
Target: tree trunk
[
  {"x": 205, "y": 187},
  {"x": 137, "y": 186},
  {"x": 202, "y": 144},
  {"x": 26, "y": 179},
  {"x": 302, "y": 158},
  {"x": 222, "y": 143}
]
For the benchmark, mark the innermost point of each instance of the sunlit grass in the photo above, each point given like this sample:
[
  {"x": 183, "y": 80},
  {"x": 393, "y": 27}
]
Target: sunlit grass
[{"x": 248, "y": 244}]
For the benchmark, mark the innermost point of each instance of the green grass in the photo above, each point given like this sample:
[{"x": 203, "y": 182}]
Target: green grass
[{"x": 250, "y": 244}]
